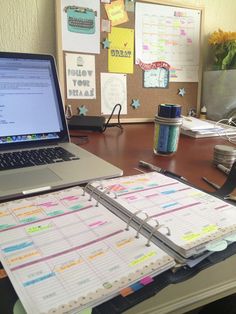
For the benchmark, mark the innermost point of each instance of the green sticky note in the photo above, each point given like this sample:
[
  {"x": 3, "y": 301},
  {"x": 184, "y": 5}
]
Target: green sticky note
[
  {"x": 86, "y": 311},
  {"x": 18, "y": 308},
  {"x": 231, "y": 238},
  {"x": 216, "y": 247}
]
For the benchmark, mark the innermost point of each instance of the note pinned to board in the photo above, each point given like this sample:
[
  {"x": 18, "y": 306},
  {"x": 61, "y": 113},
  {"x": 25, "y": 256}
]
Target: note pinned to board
[
  {"x": 113, "y": 91},
  {"x": 121, "y": 52},
  {"x": 116, "y": 12}
]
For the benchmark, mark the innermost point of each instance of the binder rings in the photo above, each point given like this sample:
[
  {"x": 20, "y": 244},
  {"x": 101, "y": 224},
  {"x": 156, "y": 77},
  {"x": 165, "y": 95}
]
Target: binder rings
[
  {"x": 65, "y": 251},
  {"x": 187, "y": 223}
]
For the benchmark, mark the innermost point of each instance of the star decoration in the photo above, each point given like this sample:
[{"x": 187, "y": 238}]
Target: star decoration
[
  {"x": 182, "y": 92},
  {"x": 82, "y": 110},
  {"x": 135, "y": 104},
  {"x": 106, "y": 43}
]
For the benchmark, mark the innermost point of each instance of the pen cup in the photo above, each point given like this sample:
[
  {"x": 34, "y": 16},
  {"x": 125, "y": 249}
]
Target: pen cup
[{"x": 166, "y": 135}]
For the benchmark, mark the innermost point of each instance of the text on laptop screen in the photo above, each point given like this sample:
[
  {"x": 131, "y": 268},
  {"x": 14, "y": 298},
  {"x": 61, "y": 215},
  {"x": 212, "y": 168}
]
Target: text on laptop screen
[{"x": 29, "y": 108}]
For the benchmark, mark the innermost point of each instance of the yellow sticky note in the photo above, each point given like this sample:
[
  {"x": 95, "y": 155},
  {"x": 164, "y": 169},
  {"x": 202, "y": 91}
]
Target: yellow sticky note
[
  {"x": 121, "y": 52},
  {"x": 116, "y": 12}
]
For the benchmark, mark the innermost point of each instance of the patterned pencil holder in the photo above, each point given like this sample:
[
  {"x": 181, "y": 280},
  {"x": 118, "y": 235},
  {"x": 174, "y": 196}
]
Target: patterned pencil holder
[{"x": 167, "y": 129}]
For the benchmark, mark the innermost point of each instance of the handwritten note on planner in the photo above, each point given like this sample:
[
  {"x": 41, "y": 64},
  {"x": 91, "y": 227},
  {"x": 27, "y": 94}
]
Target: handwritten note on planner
[
  {"x": 170, "y": 34},
  {"x": 63, "y": 251}
]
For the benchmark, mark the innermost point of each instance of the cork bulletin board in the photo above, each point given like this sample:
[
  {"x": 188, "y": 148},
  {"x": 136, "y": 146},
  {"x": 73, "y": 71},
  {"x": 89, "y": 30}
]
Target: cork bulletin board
[{"x": 149, "y": 98}]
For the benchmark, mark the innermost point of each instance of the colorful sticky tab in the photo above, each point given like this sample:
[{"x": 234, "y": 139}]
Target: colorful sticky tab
[
  {"x": 146, "y": 280},
  {"x": 230, "y": 238},
  {"x": 3, "y": 273},
  {"x": 86, "y": 311},
  {"x": 136, "y": 286},
  {"x": 126, "y": 291},
  {"x": 216, "y": 247},
  {"x": 18, "y": 308}
]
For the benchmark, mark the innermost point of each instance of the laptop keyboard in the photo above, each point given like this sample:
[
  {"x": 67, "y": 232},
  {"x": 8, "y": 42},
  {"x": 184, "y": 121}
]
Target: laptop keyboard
[{"x": 35, "y": 157}]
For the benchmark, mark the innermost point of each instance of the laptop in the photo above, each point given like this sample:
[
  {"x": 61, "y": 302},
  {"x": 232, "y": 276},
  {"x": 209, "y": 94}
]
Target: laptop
[{"x": 36, "y": 153}]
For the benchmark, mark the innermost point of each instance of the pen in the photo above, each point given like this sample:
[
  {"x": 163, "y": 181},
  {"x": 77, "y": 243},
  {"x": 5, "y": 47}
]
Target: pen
[
  {"x": 223, "y": 168},
  {"x": 160, "y": 170},
  {"x": 214, "y": 185},
  {"x": 230, "y": 197}
]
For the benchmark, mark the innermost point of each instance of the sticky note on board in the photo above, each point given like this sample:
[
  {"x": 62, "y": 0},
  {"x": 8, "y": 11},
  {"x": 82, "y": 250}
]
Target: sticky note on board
[
  {"x": 116, "y": 12},
  {"x": 121, "y": 52}
]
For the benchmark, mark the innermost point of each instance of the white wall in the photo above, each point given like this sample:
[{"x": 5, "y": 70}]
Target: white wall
[{"x": 29, "y": 25}]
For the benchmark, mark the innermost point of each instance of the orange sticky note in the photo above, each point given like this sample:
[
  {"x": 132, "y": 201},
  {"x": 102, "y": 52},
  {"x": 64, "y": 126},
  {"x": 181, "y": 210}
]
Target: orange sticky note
[{"x": 116, "y": 12}]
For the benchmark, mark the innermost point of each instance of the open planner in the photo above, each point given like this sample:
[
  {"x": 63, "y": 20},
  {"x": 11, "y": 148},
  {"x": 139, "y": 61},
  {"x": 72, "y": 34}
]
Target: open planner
[
  {"x": 65, "y": 251},
  {"x": 186, "y": 222}
]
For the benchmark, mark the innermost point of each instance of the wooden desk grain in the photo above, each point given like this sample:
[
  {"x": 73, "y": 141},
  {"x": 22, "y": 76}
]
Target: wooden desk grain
[{"x": 124, "y": 149}]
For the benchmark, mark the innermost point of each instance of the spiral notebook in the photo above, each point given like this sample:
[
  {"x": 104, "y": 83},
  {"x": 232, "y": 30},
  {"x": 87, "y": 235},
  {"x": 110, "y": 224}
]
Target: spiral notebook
[
  {"x": 184, "y": 221},
  {"x": 65, "y": 251}
]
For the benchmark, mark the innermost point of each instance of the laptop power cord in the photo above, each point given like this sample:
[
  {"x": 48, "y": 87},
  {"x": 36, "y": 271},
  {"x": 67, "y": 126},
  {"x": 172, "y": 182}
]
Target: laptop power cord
[{"x": 94, "y": 123}]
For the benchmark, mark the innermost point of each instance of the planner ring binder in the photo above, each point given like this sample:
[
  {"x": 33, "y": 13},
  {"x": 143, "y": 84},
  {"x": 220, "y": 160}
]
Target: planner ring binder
[
  {"x": 106, "y": 191},
  {"x": 91, "y": 193},
  {"x": 94, "y": 187},
  {"x": 156, "y": 228},
  {"x": 131, "y": 218},
  {"x": 140, "y": 226}
]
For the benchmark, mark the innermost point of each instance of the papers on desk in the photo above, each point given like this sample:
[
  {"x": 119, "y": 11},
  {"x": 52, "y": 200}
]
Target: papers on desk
[{"x": 205, "y": 128}]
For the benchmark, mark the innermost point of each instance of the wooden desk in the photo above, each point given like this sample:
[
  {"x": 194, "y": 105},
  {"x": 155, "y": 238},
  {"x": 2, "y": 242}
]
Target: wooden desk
[
  {"x": 192, "y": 160},
  {"x": 124, "y": 149}
]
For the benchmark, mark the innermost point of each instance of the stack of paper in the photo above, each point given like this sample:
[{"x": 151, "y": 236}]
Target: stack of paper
[{"x": 205, "y": 128}]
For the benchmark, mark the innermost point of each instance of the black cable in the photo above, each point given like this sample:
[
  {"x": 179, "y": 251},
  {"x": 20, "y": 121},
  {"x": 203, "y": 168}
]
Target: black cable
[{"x": 118, "y": 124}]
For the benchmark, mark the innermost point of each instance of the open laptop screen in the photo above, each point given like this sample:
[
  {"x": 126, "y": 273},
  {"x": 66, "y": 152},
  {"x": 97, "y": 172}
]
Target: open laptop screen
[{"x": 31, "y": 109}]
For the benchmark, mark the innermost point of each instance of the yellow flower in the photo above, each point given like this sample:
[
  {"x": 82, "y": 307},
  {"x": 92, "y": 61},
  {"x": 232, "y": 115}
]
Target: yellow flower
[
  {"x": 221, "y": 37},
  {"x": 223, "y": 46}
]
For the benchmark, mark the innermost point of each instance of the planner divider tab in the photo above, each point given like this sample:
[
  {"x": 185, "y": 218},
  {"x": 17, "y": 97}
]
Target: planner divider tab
[{"x": 136, "y": 286}]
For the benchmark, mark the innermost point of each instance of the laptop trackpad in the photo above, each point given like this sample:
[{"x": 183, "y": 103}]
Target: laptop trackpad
[{"x": 28, "y": 179}]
